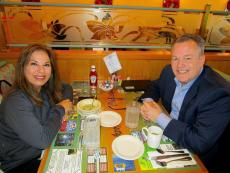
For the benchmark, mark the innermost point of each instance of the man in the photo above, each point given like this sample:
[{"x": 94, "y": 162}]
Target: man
[{"x": 198, "y": 100}]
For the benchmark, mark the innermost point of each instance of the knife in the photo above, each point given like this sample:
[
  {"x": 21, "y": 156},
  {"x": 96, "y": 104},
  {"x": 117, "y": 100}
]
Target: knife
[{"x": 169, "y": 156}]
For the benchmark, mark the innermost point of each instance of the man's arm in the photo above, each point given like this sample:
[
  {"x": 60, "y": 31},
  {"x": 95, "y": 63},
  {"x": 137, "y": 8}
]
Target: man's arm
[{"x": 203, "y": 124}]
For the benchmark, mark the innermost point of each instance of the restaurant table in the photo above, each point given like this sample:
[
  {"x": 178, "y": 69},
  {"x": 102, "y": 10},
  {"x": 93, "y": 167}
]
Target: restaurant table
[{"x": 114, "y": 101}]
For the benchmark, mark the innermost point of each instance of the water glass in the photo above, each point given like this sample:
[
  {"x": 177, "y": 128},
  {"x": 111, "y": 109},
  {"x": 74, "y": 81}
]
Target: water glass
[{"x": 132, "y": 114}]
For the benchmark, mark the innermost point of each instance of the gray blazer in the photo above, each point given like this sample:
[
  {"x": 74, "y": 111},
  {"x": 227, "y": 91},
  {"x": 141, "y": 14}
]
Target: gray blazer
[{"x": 26, "y": 129}]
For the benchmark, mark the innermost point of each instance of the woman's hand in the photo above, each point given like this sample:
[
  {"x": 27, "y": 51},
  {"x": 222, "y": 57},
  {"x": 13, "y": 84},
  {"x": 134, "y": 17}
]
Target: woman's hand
[
  {"x": 150, "y": 110},
  {"x": 67, "y": 105}
]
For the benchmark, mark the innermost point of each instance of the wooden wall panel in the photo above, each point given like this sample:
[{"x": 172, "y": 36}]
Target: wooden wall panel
[{"x": 75, "y": 65}]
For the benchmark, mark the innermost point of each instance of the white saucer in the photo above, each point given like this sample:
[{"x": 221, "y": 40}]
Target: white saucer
[
  {"x": 128, "y": 147},
  {"x": 110, "y": 118}
]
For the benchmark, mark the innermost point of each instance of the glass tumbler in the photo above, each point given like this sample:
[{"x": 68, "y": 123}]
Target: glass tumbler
[
  {"x": 91, "y": 131},
  {"x": 132, "y": 114}
]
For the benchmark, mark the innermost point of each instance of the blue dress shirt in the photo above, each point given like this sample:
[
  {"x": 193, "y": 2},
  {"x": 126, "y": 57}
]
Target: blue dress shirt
[{"x": 178, "y": 97}]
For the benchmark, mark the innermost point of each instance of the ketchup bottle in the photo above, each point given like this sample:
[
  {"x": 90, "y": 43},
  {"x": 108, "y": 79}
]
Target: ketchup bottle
[{"x": 93, "y": 77}]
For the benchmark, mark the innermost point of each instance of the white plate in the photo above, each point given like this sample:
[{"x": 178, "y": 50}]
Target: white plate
[
  {"x": 109, "y": 118},
  {"x": 128, "y": 147}
]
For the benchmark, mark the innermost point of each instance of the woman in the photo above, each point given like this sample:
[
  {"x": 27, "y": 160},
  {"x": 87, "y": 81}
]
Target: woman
[{"x": 32, "y": 112}]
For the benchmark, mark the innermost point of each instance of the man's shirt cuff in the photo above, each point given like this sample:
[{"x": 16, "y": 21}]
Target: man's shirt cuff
[{"x": 163, "y": 120}]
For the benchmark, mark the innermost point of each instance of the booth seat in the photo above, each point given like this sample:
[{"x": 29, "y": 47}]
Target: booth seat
[
  {"x": 7, "y": 73},
  {"x": 224, "y": 75}
]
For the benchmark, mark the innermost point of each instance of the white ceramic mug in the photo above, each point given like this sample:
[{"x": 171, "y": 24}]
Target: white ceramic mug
[{"x": 153, "y": 135}]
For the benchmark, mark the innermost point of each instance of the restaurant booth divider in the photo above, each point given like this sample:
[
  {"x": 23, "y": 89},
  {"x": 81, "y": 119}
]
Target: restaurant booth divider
[{"x": 138, "y": 65}]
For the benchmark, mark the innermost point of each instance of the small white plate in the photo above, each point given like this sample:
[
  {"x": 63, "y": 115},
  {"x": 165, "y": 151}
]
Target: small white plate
[
  {"x": 128, "y": 147},
  {"x": 109, "y": 118}
]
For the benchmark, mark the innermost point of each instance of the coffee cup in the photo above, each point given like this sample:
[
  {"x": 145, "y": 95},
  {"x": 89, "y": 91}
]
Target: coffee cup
[{"x": 153, "y": 135}]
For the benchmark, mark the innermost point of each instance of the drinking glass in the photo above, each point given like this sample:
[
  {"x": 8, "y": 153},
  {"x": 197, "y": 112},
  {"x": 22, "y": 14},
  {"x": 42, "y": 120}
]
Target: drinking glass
[{"x": 132, "y": 114}]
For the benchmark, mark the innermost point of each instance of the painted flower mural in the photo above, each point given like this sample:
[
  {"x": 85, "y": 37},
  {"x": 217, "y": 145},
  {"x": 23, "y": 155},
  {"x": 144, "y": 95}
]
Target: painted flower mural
[
  {"x": 169, "y": 32},
  {"x": 148, "y": 33},
  {"x": 105, "y": 29},
  {"x": 59, "y": 30},
  {"x": 25, "y": 26}
]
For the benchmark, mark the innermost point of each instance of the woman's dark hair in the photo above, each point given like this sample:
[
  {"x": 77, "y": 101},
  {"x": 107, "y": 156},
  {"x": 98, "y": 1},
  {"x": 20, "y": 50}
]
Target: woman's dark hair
[{"x": 52, "y": 86}]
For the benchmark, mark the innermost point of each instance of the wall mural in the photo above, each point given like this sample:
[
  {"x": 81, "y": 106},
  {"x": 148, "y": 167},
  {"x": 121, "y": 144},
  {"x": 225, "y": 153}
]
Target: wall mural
[
  {"x": 219, "y": 31},
  {"x": 168, "y": 31},
  {"x": 60, "y": 30},
  {"x": 96, "y": 26},
  {"x": 105, "y": 29},
  {"x": 114, "y": 29},
  {"x": 23, "y": 26}
]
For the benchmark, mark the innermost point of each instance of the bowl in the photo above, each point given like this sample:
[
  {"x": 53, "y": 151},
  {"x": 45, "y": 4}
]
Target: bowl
[
  {"x": 85, "y": 106},
  {"x": 106, "y": 88}
]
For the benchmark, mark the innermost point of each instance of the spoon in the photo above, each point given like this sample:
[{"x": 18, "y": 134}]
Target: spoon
[
  {"x": 164, "y": 163},
  {"x": 174, "y": 151},
  {"x": 94, "y": 97}
]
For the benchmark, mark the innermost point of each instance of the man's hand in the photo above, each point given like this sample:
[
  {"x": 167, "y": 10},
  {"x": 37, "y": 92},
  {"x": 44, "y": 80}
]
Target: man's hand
[{"x": 150, "y": 110}]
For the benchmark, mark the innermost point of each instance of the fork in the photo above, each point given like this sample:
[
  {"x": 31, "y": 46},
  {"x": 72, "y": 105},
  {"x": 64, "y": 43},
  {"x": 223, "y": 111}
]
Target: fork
[
  {"x": 174, "y": 151},
  {"x": 164, "y": 163}
]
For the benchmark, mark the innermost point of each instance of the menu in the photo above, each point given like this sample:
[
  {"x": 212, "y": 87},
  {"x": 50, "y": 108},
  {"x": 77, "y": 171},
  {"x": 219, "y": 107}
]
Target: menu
[
  {"x": 65, "y": 161},
  {"x": 65, "y": 155},
  {"x": 112, "y": 62}
]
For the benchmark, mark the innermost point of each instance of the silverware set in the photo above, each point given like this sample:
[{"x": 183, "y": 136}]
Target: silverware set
[{"x": 179, "y": 155}]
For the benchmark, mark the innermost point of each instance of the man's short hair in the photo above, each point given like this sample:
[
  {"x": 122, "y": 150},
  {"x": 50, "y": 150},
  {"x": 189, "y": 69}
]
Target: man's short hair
[{"x": 196, "y": 38}]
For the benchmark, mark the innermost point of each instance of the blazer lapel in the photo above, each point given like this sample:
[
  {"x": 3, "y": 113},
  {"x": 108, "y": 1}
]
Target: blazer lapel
[
  {"x": 188, "y": 98},
  {"x": 192, "y": 92},
  {"x": 170, "y": 93}
]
